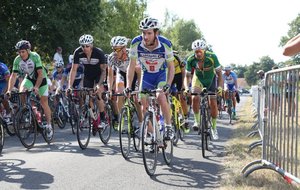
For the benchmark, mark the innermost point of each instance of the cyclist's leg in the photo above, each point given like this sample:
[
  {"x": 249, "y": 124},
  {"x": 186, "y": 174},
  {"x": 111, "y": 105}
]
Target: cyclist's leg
[
  {"x": 196, "y": 88},
  {"x": 120, "y": 84},
  {"x": 214, "y": 109},
  {"x": 43, "y": 92},
  {"x": 137, "y": 105}
]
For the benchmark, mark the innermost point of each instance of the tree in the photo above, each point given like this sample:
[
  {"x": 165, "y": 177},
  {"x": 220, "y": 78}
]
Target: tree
[
  {"x": 115, "y": 13},
  {"x": 46, "y": 24},
  {"x": 182, "y": 34},
  {"x": 293, "y": 31}
]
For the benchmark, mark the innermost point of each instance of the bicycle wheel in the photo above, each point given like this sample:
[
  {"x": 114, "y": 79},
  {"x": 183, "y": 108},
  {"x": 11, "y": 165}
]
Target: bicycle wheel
[
  {"x": 84, "y": 128},
  {"x": 175, "y": 123},
  {"x": 149, "y": 146},
  {"x": 105, "y": 133},
  {"x": 60, "y": 116},
  {"x": 73, "y": 116},
  {"x": 229, "y": 110},
  {"x": 26, "y": 128},
  {"x": 1, "y": 137},
  {"x": 203, "y": 133},
  {"x": 43, "y": 131},
  {"x": 124, "y": 132},
  {"x": 136, "y": 132},
  {"x": 167, "y": 151}
]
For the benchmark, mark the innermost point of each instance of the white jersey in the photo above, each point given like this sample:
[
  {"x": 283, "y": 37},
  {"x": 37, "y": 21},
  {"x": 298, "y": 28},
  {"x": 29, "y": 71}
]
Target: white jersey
[{"x": 116, "y": 64}]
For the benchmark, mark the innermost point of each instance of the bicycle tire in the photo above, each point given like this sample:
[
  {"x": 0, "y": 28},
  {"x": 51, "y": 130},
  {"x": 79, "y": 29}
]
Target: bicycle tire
[
  {"x": 167, "y": 151},
  {"x": 124, "y": 133},
  {"x": 105, "y": 133},
  {"x": 136, "y": 137},
  {"x": 203, "y": 133},
  {"x": 73, "y": 117},
  {"x": 60, "y": 116},
  {"x": 1, "y": 137},
  {"x": 149, "y": 146},
  {"x": 84, "y": 128},
  {"x": 175, "y": 123},
  {"x": 27, "y": 117},
  {"x": 43, "y": 131}
]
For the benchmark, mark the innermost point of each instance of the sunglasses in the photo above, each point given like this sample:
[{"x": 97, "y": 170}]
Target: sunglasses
[
  {"x": 85, "y": 46},
  {"x": 118, "y": 50}
]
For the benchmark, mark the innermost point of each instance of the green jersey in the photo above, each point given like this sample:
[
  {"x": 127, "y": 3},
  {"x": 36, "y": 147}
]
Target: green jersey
[
  {"x": 207, "y": 73},
  {"x": 30, "y": 66}
]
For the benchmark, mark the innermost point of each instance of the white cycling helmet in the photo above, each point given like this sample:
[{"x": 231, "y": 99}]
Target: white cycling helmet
[
  {"x": 86, "y": 39},
  {"x": 149, "y": 23},
  {"x": 23, "y": 44},
  {"x": 59, "y": 63},
  {"x": 228, "y": 68},
  {"x": 199, "y": 44},
  {"x": 118, "y": 41}
]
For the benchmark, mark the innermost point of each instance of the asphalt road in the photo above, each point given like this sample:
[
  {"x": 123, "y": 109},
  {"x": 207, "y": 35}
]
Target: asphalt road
[{"x": 63, "y": 165}]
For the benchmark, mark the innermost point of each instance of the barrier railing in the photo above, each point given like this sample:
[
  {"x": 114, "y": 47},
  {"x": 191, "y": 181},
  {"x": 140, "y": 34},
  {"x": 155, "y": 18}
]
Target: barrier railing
[{"x": 279, "y": 124}]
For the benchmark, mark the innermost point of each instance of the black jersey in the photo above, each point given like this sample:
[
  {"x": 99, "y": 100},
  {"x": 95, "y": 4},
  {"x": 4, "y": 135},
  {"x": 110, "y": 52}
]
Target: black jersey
[{"x": 92, "y": 66}]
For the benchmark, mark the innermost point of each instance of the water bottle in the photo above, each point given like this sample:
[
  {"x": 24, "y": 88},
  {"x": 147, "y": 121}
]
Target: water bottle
[{"x": 37, "y": 114}]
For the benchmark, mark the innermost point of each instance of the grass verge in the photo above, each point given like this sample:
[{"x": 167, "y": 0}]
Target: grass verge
[{"x": 239, "y": 156}]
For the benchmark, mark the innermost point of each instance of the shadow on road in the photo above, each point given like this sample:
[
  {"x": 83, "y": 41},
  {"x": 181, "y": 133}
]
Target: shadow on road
[{"x": 28, "y": 178}]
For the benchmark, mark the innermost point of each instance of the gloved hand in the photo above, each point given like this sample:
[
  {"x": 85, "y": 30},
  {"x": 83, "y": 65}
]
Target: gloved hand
[
  {"x": 166, "y": 88},
  {"x": 186, "y": 92},
  {"x": 220, "y": 90},
  {"x": 127, "y": 91}
]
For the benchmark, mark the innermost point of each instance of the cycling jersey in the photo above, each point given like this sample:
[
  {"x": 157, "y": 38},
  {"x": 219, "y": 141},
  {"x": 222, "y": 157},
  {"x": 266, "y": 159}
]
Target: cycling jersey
[
  {"x": 205, "y": 75},
  {"x": 153, "y": 63},
  {"x": 177, "y": 64},
  {"x": 79, "y": 73},
  {"x": 116, "y": 64},
  {"x": 30, "y": 67},
  {"x": 229, "y": 80},
  {"x": 4, "y": 72},
  {"x": 92, "y": 69}
]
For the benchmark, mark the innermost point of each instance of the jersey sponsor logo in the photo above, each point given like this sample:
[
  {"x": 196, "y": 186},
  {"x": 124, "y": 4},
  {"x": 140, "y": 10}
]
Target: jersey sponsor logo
[{"x": 85, "y": 61}]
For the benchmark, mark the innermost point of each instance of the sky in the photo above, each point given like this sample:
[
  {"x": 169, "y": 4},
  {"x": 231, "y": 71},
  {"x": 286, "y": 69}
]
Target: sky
[{"x": 240, "y": 31}]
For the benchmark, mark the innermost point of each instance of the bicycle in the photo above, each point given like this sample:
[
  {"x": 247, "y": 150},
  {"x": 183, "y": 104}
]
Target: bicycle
[
  {"x": 230, "y": 105},
  {"x": 177, "y": 118},
  {"x": 127, "y": 126},
  {"x": 220, "y": 103},
  {"x": 31, "y": 121},
  {"x": 89, "y": 119},
  {"x": 152, "y": 141},
  {"x": 206, "y": 124},
  {"x": 1, "y": 128}
]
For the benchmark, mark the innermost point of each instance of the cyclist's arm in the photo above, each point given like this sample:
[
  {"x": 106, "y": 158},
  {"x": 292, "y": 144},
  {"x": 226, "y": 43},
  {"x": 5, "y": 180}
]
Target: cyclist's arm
[
  {"x": 73, "y": 74},
  {"x": 220, "y": 78},
  {"x": 130, "y": 72},
  {"x": 292, "y": 46},
  {"x": 39, "y": 79},
  {"x": 183, "y": 75},
  {"x": 110, "y": 78},
  {"x": 103, "y": 74},
  {"x": 187, "y": 81},
  {"x": 171, "y": 72},
  {"x": 12, "y": 81}
]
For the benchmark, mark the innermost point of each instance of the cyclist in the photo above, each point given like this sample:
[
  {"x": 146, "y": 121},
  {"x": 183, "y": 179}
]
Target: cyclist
[
  {"x": 178, "y": 82},
  {"x": 93, "y": 60},
  {"x": 206, "y": 66},
  {"x": 118, "y": 60},
  {"x": 4, "y": 77},
  {"x": 30, "y": 63},
  {"x": 58, "y": 75},
  {"x": 230, "y": 84},
  {"x": 155, "y": 55}
]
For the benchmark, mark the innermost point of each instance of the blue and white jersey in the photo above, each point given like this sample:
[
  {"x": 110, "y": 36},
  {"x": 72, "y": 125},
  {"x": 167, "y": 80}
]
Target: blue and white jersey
[
  {"x": 79, "y": 73},
  {"x": 230, "y": 79},
  {"x": 4, "y": 72},
  {"x": 152, "y": 61}
]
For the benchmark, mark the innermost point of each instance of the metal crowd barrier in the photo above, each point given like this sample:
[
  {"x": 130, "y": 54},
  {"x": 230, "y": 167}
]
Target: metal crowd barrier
[{"x": 279, "y": 123}]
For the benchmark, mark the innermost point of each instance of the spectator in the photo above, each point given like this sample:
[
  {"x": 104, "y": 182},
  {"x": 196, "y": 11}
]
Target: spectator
[
  {"x": 58, "y": 55},
  {"x": 292, "y": 47}
]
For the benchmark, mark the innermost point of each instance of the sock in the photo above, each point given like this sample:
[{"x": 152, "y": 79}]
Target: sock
[
  {"x": 214, "y": 123},
  {"x": 197, "y": 118}
]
